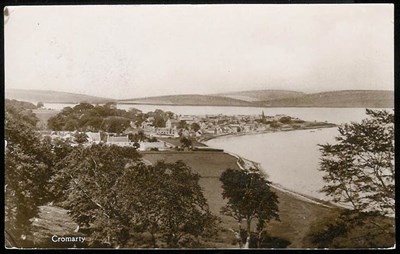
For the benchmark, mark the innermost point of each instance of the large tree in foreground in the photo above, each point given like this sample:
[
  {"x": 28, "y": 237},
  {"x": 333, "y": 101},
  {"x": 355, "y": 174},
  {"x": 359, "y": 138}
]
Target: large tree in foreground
[
  {"x": 168, "y": 203},
  {"x": 87, "y": 183},
  {"x": 359, "y": 167},
  {"x": 27, "y": 171},
  {"x": 249, "y": 199},
  {"x": 116, "y": 197},
  {"x": 359, "y": 173}
]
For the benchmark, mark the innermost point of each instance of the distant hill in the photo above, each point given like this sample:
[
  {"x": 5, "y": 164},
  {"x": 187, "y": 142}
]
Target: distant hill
[
  {"x": 260, "y": 98},
  {"x": 52, "y": 96},
  {"x": 345, "y": 98},
  {"x": 262, "y": 95},
  {"x": 189, "y": 99}
]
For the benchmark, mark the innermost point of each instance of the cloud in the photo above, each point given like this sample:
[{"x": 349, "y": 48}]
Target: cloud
[{"x": 137, "y": 51}]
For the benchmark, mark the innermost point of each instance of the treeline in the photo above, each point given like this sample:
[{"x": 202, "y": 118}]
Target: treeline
[
  {"x": 29, "y": 165},
  {"x": 115, "y": 199},
  {"x": 88, "y": 117},
  {"x": 22, "y": 104},
  {"x": 118, "y": 201}
]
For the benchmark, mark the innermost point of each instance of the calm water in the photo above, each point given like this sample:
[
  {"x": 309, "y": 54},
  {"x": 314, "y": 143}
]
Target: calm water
[{"x": 290, "y": 159}]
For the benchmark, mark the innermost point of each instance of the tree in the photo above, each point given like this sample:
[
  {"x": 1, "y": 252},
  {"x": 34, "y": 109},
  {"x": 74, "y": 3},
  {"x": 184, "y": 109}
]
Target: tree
[
  {"x": 57, "y": 122},
  {"x": 186, "y": 142},
  {"x": 28, "y": 164},
  {"x": 80, "y": 137},
  {"x": 359, "y": 173},
  {"x": 275, "y": 124},
  {"x": 89, "y": 180},
  {"x": 159, "y": 121},
  {"x": 195, "y": 127},
  {"x": 249, "y": 198},
  {"x": 285, "y": 119},
  {"x": 115, "y": 124},
  {"x": 86, "y": 117},
  {"x": 40, "y": 104},
  {"x": 152, "y": 139},
  {"x": 182, "y": 124},
  {"x": 168, "y": 203},
  {"x": 359, "y": 167},
  {"x": 114, "y": 195}
]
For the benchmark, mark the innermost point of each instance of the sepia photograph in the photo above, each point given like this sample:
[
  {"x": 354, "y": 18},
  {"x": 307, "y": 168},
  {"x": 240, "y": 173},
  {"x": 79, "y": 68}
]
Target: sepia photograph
[{"x": 202, "y": 126}]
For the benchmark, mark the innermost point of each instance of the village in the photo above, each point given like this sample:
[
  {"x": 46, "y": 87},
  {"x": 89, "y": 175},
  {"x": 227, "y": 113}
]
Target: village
[{"x": 184, "y": 132}]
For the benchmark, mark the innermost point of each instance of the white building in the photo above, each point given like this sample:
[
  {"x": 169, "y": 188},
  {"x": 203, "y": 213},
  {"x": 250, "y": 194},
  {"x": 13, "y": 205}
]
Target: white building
[
  {"x": 171, "y": 132},
  {"x": 119, "y": 141},
  {"x": 146, "y": 146},
  {"x": 93, "y": 137}
]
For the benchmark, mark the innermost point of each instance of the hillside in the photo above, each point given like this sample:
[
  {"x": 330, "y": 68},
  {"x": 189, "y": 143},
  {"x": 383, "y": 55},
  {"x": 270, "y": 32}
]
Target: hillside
[
  {"x": 262, "y": 95},
  {"x": 52, "y": 96},
  {"x": 189, "y": 99},
  {"x": 258, "y": 98},
  {"x": 346, "y": 98}
]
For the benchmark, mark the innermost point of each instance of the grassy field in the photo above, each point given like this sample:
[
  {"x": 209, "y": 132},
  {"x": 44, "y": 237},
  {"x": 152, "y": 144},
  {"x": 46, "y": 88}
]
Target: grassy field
[
  {"x": 177, "y": 141},
  {"x": 297, "y": 216},
  {"x": 44, "y": 115}
]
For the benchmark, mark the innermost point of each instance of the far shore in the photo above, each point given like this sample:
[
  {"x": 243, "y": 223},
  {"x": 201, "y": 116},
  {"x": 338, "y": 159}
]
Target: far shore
[
  {"x": 239, "y": 105},
  {"x": 325, "y": 125}
]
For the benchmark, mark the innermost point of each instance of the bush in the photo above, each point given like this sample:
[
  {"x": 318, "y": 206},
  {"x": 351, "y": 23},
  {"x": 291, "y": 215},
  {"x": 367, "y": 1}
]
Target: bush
[{"x": 285, "y": 119}]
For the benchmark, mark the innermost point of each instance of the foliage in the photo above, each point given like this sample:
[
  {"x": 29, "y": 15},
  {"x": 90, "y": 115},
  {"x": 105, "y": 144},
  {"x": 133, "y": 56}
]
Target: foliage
[
  {"x": 115, "y": 124},
  {"x": 183, "y": 125},
  {"x": 352, "y": 229},
  {"x": 160, "y": 117},
  {"x": 88, "y": 179},
  {"x": 195, "y": 127},
  {"x": 28, "y": 164},
  {"x": 114, "y": 195},
  {"x": 168, "y": 204},
  {"x": 87, "y": 117},
  {"x": 359, "y": 173},
  {"x": 285, "y": 119},
  {"x": 22, "y": 105},
  {"x": 153, "y": 139},
  {"x": 40, "y": 104},
  {"x": 264, "y": 240},
  {"x": 80, "y": 137},
  {"x": 22, "y": 111},
  {"x": 275, "y": 124},
  {"x": 359, "y": 167},
  {"x": 186, "y": 142},
  {"x": 137, "y": 137},
  {"x": 249, "y": 198}
]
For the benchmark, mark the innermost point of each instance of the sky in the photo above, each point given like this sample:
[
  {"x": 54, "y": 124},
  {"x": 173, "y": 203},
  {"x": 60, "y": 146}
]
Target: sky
[{"x": 137, "y": 51}]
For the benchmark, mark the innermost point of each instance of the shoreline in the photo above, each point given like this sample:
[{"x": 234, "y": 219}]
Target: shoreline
[
  {"x": 225, "y": 105},
  {"x": 258, "y": 168},
  {"x": 238, "y": 134},
  {"x": 297, "y": 195}
]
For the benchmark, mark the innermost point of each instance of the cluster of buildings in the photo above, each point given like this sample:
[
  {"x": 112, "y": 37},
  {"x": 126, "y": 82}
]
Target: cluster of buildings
[
  {"x": 178, "y": 126},
  {"x": 208, "y": 125},
  {"x": 110, "y": 139}
]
